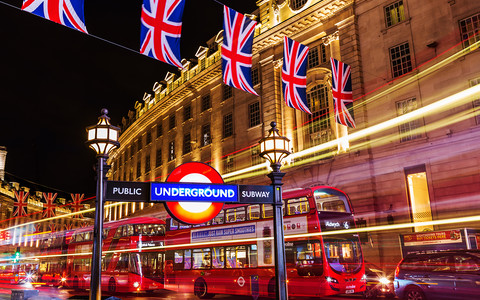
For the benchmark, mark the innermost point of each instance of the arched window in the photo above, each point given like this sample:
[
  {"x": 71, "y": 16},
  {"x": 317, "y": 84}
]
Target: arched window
[
  {"x": 297, "y": 4},
  {"x": 318, "y": 122}
]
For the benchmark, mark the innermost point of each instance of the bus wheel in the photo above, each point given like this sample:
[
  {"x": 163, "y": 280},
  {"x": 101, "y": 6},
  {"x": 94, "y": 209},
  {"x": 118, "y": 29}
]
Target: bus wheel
[
  {"x": 271, "y": 288},
  {"x": 200, "y": 290},
  {"x": 112, "y": 286},
  {"x": 75, "y": 283}
]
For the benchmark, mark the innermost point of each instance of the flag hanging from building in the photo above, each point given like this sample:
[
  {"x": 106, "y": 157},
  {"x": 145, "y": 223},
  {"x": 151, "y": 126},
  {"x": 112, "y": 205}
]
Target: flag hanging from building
[
  {"x": 20, "y": 205},
  {"x": 68, "y": 226},
  {"x": 237, "y": 50},
  {"x": 342, "y": 93},
  {"x": 161, "y": 27},
  {"x": 53, "y": 227},
  {"x": 65, "y": 12},
  {"x": 49, "y": 206},
  {"x": 77, "y": 204},
  {"x": 294, "y": 75}
]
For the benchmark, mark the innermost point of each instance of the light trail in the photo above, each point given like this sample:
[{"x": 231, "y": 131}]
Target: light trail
[{"x": 304, "y": 235}]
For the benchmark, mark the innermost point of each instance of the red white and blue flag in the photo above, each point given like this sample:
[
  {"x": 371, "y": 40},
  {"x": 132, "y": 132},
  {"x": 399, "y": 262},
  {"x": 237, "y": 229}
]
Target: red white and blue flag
[
  {"x": 65, "y": 12},
  {"x": 49, "y": 206},
  {"x": 294, "y": 75},
  {"x": 77, "y": 204},
  {"x": 161, "y": 24},
  {"x": 342, "y": 93},
  {"x": 20, "y": 205},
  {"x": 237, "y": 50}
]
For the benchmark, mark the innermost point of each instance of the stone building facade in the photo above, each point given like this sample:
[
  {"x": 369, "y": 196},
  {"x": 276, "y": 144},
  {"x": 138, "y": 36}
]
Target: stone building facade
[{"x": 413, "y": 156}]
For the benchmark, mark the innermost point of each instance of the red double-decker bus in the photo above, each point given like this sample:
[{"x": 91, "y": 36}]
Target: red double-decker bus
[
  {"x": 234, "y": 253},
  {"x": 126, "y": 267}
]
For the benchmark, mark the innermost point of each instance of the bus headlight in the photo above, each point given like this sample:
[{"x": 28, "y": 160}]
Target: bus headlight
[
  {"x": 136, "y": 284},
  {"x": 384, "y": 280},
  {"x": 331, "y": 279}
]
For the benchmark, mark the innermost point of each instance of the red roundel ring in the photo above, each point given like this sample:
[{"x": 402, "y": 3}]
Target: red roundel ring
[{"x": 194, "y": 172}]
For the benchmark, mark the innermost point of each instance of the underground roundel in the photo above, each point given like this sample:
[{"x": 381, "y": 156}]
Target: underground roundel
[{"x": 194, "y": 212}]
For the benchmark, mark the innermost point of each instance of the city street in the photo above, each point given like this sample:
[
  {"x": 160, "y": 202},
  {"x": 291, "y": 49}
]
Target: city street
[{"x": 46, "y": 291}]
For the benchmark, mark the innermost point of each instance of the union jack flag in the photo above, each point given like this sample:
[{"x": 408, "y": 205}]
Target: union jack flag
[
  {"x": 37, "y": 227},
  {"x": 65, "y": 12},
  {"x": 237, "y": 50},
  {"x": 21, "y": 204},
  {"x": 68, "y": 226},
  {"x": 342, "y": 93},
  {"x": 83, "y": 225},
  {"x": 161, "y": 27},
  {"x": 294, "y": 74},
  {"x": 49, "y": 206},
  {"x": 77, "y": 204}
]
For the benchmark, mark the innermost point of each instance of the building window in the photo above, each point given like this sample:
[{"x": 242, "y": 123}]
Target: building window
[
  {"x": 159, "y": 129},
  {"x": 227, "y": 125},
  {"x": 187, "y": 113},
  {"x": 317, "y": 56},
  {"x": 255, "y": 155},
  {"x": 139, "y": 144},
  {"x": 206, "y": 104},
  {"x": 394, "y": 13},
  {"x": 139, "y": 168},
  {"x": 254, "y": 114},
  {"x": 469, "y": 30},
  {"x": 297, "y": 4},
  {"x": 149, "y": 137},
  {"x": 171, "y": 121},
  {"x": 318, "y": 122},
  {"x": 419, "y": 197},
  {"x": 158, "y": 158},
  {"x": 206, "y": 138},
  {"x": 476, "y": 102},
  {"x": 400, "y": 59},
  {"x": 227, "y": 92},
  {"x": 255, "y": 76},
  {"x": 171, "y": 151},
  {"x": 147, "y": 163},
  {"x": 187, "y": 145},
  {"x": 228, "y": 164},
  {"x": 410, "y": 130}
]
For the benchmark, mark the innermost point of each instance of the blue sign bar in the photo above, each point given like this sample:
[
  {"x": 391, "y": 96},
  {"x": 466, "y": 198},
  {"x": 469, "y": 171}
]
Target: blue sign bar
[{"x": 193, "y": 192}]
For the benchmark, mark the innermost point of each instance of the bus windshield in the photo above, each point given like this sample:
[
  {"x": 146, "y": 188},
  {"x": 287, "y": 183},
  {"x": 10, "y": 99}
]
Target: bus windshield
[{"x": 343, "y": 253}]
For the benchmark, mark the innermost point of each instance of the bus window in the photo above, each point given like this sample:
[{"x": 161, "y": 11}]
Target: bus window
[
  {"x": 124, "y": 231},
  {"x": 149, "y": 229},
  {"x": 129, "y": 230},
  {"x": 178, "y": 261},
  {"x": 220, "y": 218},
  {"x": 326, "y": 201},
  {"x": 297, "y": 206},
  {"x": 253, "y": 212},
  {"x": 88, "y": 236},
  {"x": 218, "y": 258},
  {"x": 308, "y": 258},
  {"x": 118, "y": 233},
  {"x": 343, "y": 254},
  {"x": 235, "y": 214},
  {"x": 122, "y": 264},
  {"x": 201, "y": 258},
  {"x": 236, "y": 257},
  {"x": 188, "y": 260},
  {"x": 252, "y": 257},
  {"x": 267, "y": 210},
  {"x": 105, "y": 232}
]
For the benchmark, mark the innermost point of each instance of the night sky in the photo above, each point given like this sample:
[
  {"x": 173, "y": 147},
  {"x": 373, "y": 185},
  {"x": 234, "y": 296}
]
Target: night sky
[{"x": 54, "y": 81}]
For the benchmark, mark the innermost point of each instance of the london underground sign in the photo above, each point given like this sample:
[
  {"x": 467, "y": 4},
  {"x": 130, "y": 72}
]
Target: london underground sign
[
  {"x": 194, "y": 212},
  {"x": 194, "y": 193}
]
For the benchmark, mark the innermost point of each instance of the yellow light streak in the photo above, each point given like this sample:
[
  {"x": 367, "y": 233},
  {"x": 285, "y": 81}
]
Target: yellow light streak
[{"x": 295, "y": 236}]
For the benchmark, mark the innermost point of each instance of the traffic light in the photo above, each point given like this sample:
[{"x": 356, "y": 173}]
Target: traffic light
[{"x": 16, "y": 257}]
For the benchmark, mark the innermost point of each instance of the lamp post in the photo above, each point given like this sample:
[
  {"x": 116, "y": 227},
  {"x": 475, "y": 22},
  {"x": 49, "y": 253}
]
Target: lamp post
[
  {"x": 274, "y": 148},
  {"x": 103, "y": 138}
]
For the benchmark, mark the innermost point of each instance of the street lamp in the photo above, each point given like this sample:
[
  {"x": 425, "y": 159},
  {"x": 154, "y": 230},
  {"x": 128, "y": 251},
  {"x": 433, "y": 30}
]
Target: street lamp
[
  {"x": 103, "y": 138},
  {"x": 274, "y": 148}
]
